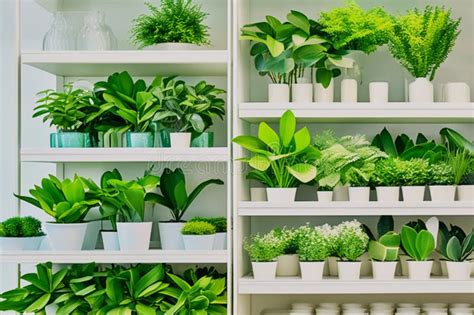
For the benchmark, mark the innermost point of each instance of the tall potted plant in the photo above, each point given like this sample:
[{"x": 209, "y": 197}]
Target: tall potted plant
[
  {"x": 21, "y": 233},
  {"x": 384, "y": 255},
  {"x": 263, "y": 251},
  {"x": 313, "y": 247},
  {"x": 419, "y": 246}
]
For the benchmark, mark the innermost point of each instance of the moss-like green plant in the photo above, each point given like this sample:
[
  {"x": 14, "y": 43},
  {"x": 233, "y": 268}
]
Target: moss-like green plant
[
  {"x": 386, "y": 173},
  {"x": 414, "y": 172},
  {"x": 441, "y": 174},
  {"x": 198, "y": 228},
  {"x": 220, "y": 223},
  {"x": 264, "y": 248},
  {"x": 21, "y": 227},
  {"x": 351, "y": 240}
]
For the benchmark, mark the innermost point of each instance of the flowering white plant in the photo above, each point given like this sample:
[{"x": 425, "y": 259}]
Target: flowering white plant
[
  {"x": 351, "y": 241},
  {"x": 264, "y": 248},
  {"x": 314, "y": 244},
  {"x": 288, "y": 238}
]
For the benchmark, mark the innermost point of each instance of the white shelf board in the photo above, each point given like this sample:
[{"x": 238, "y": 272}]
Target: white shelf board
[
  {"x": 361, "y": 112},
  {"x": 62, "y": 155},
  {"x": 106, "y": 257},
  {"x": 141, "y": 63},
  {"x": 346, "y": 208},
  {"x": 294, "y": 285}
]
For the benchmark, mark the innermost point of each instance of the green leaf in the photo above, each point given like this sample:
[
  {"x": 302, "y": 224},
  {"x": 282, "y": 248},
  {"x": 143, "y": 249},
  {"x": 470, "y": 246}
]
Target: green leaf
[
  {"x": 73, "y": 191},
  {"x": 453, "y": 249},
  {"x": 260, "y": 162},
  {"x": 269, "y": 136},
  {"x": 409, "y": 236},
  {"x": 142, "y": 309},
  {"x": 324, "y": 76},
  {"x": 299, "y": 20},
  {"x": 183, "y": 285},
  {"x": 287, "y": 128},
  {"x": 387, "y": 143},
  {"x": 275, "y": 47},
  {"x": 377, "y": 251},
  {"x": 425, "y": 244},
  {"x": 252, "y": 144},
  {"x": 302, "y": 140},
  {"x": 39, "y": 304},
  {"x": 303, "y": 172},
  {"x": 385, "y": 225}
]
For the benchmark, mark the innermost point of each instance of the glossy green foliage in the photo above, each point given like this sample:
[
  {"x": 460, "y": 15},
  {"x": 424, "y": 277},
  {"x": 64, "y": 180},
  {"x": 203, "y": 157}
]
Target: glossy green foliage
[{"x": 418, "y": 245}]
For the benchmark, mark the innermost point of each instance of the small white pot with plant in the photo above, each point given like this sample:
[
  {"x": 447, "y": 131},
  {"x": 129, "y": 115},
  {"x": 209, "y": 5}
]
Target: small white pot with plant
[
  {"x": 419, "y": 246},
  {"x": 457, "y": 249},
  {"x": 384, "y": 255},
  {"x": 314, "y": 246},
  {"x": 263, "y": 252},
  {"x": 461, "y": 162},
  {"x": 386, "y": 180},
  {"x": 198, "y": 235},
  {"x": 21, "y": 233},
  {"x": 413, "y": 175},
  {"x": 442, "y": 188},
  {"x": 288, "y": 262},
  {"x": 324, "y": 194},
  {"x": 220, "y": 224}
]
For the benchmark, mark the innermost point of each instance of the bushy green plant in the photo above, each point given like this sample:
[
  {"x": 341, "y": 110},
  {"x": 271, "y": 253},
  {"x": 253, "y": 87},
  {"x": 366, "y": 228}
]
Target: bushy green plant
[
  {"x": 314, "y": 244},
  {"x": 461, "y": 162},
  {"x": 418, "y": 245},
  {"x": 288, "y": 238},
  {"x": 351, "y": 240},
  {"x": 386, "y": 173},
  {"x": 21, "y": 227},
  {"x": 386, "y": 248},
  {"x": 415, "y": 172},
  {"x": 175, "y": 21},
  {"x": 422, "y": 40},
  {"x": 198, "y": 228},
  {"x": 456, "y": 248},
  {"x": 441, "y": 174},
  {"x": 264, "y": 248},
  {"x": 220, "y": 223}
]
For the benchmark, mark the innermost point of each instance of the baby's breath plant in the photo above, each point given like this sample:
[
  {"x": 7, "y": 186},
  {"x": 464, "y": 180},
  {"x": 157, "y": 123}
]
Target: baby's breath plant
[
  {"x": 441, "y": 174},
  {"x": 351, "y": 241},
  {"x": 264, "y": 248},
  {"x": 314, "y": 244},
  {"x": 288, "y": 238}
]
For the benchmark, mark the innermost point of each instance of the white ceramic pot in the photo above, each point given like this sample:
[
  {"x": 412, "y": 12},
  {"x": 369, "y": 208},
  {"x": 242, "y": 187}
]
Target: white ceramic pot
[
  {"x": 264, "y": 270},
  {"x": 278, "y": 93},
  {"x": 180, "y": 139},
  {"x": 312, "y": 270},
  {"x": 384, "y": 270},
  {"x": 413, "y": 193},
  {"x": 359, "y": 194},
  {"x": 378, "y": 92},
  {"x": 322, "y": 94},
  {"x": 419, "y": 270},
  {"x": 332, "y": 266},
  {"x": 288, "y": 266},
  {"x": 349, "y": 91},
  {"x": 66, "y": 236},
  {"x": 302, "y": 93},
  {"x": 458, "y": 270},
  {"x": 134, "y": 235},
  {"x": 220, "y": 241},
  {"x": 258, "y": 194},
  {"x": 170, "y": 235},
  {"x": 456, "y": 92},
  {"x": 465, "y": 192},
  {"x": 444, "y": 268},
  {"x": 348, "y": 270},
  {"x": 281, "y": 195},
  {"x": 198, "y": 242},
  {"x": 92, "y": 234},
  {"x": 20, "y": 243},
  {"x": 110, "y": 240},
  {"x": 442, "y": 192},
  {"x": 404, "y": 264},
  {"x": 340, "y": 193},
  {"x": 324, "y": 196},
  {"x": 174, "y": 46},
  {"x": 387, "y": 194},
  {"x": 421, "y": 90}
]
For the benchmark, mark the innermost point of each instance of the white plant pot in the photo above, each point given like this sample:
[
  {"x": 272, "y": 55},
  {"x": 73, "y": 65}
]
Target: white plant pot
[
  {"x": 387, "y": 194},
  {"x": 384, "y": 270},
  {"x": 421, "y": 90},
  {"x": 322, "y": 94},
  {"x": 404, "y": 264},
  {"x": 359, "y": 194},
  {"x": 419, "y": 270},
  {"x": 258, "y": 194},
  {"x": 444, "y": 268},
  {"x": 134, "y": 235},
  {"x": 278, "y": 93},
  {"x": 378, "y": 92},
  {"x": 349, "y": 91},
  {"x": 332, "y": 266},
  {"x": 264, "y": 270},
  {"x": 456, "y": 92},
  {"x": 324, "y": 196},
  {"x": 312, "y": 270},
  {"x": 281, "y": 195},
  {"x": 92, "y": 234},
  {"x": 413, "y": 193},
  {"x": 174, "y": 46},
  {"x": 220, "y": 241},
  {"x": 170, "y": 235},
  {"x": 66, "y": 236},
  {"x": 348, "y": 270},
  {"x": 110, "y": 240},
  {"x": 180, "y": 140},
  {"x": 288, "y": 266},
  {"x": 302, "y": 93},
  {"x": 458, "y": 270},
  {"x": 20, "y": 243},
  {"x": 465, "y": 192},
  {"x": 198, "y": 242},
  {"x": 442, "y": 192},
  {"x": 340, "y": 193}
]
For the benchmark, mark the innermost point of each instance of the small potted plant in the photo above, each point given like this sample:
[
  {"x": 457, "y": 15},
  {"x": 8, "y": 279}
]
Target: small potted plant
[
  {"x": 462, "y": 164},
  {"x": 441, "y": 183},
  {"x": 419, "y": 246},
  {"x": 386, "y": 180},
  {"x": 21, "y": 233},
  {"x": 263, "y": 251},
  {"x": 384, "y": 255},
  {"x": 198, "y": 235},
  {"x": 288, "y": 261},
  {"x": 220, "y": 223},
  {"x": 456, "y": 249},
  {"x": 324, "y": 193},
  {"x": 413, "y": 175},
  {"x": 314, "y": 247},
  {"x": 174, "y": 25},
  {"x": 358, "y": 180},
  {"x": 351, "y": 243}
]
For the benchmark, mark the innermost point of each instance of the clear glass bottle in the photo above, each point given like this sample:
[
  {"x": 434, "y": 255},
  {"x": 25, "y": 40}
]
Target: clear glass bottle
[
  {"x": 95, "y": 34},
  {"x": 59, "y": 35}
]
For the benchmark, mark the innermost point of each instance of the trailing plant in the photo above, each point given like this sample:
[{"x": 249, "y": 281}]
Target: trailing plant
[
  {"x": 21, "y": 227},
  {"x": 418, "y": 245},
  {"x": 414, "y": 172},
  {"x": 441, "y": 174},
  {"x": 175, "y": 21},
  {"x": 198, "y": 228},
  {"x": 351, "y": 240},
  {"x": 314, "y": 244},
  {"x": 220, "y": 223},
  {"x": 264, "y": 248},
  {"x": 386, "y": 248}
]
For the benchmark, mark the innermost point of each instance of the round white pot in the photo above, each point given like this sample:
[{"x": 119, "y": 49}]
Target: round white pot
[
  {"x": 419, "y": 270},
  {"x": 421, "y": 90},
  {"x": 134, "y": 235},
  {"x": 348, "y": 270},
  {"x": 384, "y": 270},
  {"x": 20, "y": 243},
  {"x": 312, "y": 270},
  {"x": 66, "y": 236},
  {"x": 180, "y": 139},
  {"x": 359, "y": 194},
  {"x": 349, "y": 91},
  {"x": 378, "y": 92},
  {"x": 322, "y": 94},
  {"x": 456, "y": 92},
  {"x": 460, "y": 270},
  {"x": 278, "y": 93},
  {"x": 170, "y": 235},
  {"x": 465, "y": 192},
  {"x": 258, "y": 194},
  {"x": 442, "y": 192},
  {"x": 324, "y": 196},
  {"x": 340, "y": 193},
  {"x": 220, "y": 241},
  {"x": 110, "y": 240},
  {"x": 387, "y": 194},
  {"x": 198, "y": 242},
  {"x": 413, "y": 193},
  {"x": 264, "y": 270},
  {"x": 288, "y": 266},
  {"x": 92, "y": 234},
  {"x": 302, "y": 93},
  {"x": 174, "y": 46},
  {"x": 281, "y": 195}
]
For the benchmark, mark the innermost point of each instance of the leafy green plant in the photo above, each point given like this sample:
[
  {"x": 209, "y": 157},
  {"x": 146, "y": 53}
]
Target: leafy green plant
[
  {"x": 441, "y": 174},
  {"x": 264, "y": 248},
  {"x": 288, "y": 238},
  {"x": 21, "y": 227},
  {"x": 220, "y": 223},
  {"x": 198, "y": 228},
  {"x": 414, "y": 172},
  {"x": 461, "y": 163},
  {"x": 418, "y": 245},
  {"x": 351, "y": 240},
  {"x": 280, "y": 160},
  {"x": 385, "y": 224},
  {"x": 456, "y": 141},
  {"x": 456, "y": 248},
  {"x": 175, "y": 21},
  {"x": 422, "y": 40},
  {"x": 313, "y": 244},
  {"x": 386, "y": 248},
  {"x": 386, "y": 173}
]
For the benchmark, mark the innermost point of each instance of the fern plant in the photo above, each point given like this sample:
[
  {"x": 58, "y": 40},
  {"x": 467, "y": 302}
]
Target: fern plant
[{"x": 422, "y": 40}]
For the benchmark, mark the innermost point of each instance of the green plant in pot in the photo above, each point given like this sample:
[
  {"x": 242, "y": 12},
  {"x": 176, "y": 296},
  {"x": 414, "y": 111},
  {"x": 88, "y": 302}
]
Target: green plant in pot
[
  {"x": 313, "y": 248},
  {"x": 441, "y": 182},
  {"x": 288, "y": 261},
  {"x": 462, "y": 163},
  {"x": 21, "y": 233},
  {"x": 413, "y": 176},
  {"x": 198, "y": 235},
  {"x": 419, "y": 246},
  {"x": 263, "y": 251},
  {"x": 175, "y": 197},
  {"x": 456, "y": 247},
  {"x": 220, "y": 223},
  {"x": 384, "y": 255},
  {"x": 280, "y": 161}
]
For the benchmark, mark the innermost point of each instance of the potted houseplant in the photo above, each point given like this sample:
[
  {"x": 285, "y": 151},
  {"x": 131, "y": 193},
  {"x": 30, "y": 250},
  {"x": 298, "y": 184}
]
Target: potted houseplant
[
  {"x": 351, "y": 243},
  {"x": 175, "y": 197},
  {"x": 263, "y": 251},
  {"x": 461, "y": 162},
  {"x": 384, "y": 255},
  {"x": 174, "y": 25},
  {"x": 288, "y": 261},
  {"x": 419, "y": 246},
  {"x": 198, "y": 235},
  {"x": 386, "y": 180},
  {"x": 456, "y": 247},
  {"x": 220, "y": 223},
  {"x": 280, "y": 161},
  {"x": 413, "y": 175},
  {"x": 314, "y": 247},
  {"x": 441, "y": 183},
  {"x": 21, "y": 233},
  {"x": 421, "y": 41}
]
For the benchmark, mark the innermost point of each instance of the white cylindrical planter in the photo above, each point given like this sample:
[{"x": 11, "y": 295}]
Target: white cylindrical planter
[
  {"x": 264, "y": 270},
  {"x": 457, "y": 92},
  {"x": 278, "y": 93},
  {"x": 170, "y": 235},
  {"x": 134, "y": 235},
  {"x": 92, "y": 234},
  {"x": 465, "y": 192},
  {"x": 288, "y": 266},
  {"x": 419, "y": 270},
  {"x": 281, "y": 195},
  {"x": 332, "y": 266},
  {"x": 66, "y": 236},
  {"x": 359, "y": 194},
  {"x": 378, "y": 92},
  {"x": 384, "y": 270},
  {"x": 458, "y": 270},
  {"x": 20, "y": 243},
  {"x": 110, "y": 240},
  {"x": 349, "y": 91},
  {"x": 442, "y": 192},
  {"x": 220, "y": 241},
  {"x": 348, "y": 270},
  {"x": 324, "y": 196},
  {"x": 340, "y": 193},
  {"x": 421, "y": 90},
  {"x": 413, "y": 193},
  {"x": 198, "y": 242},
  {"x": 387, "y": 194},
  {"x": 302, "y": 93},
  {"x": 258, "y": 194},
  {"x": 180, "y": 139},
  {"x": 312, "y": 270},
  {"x": 322, "y": 94}
]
